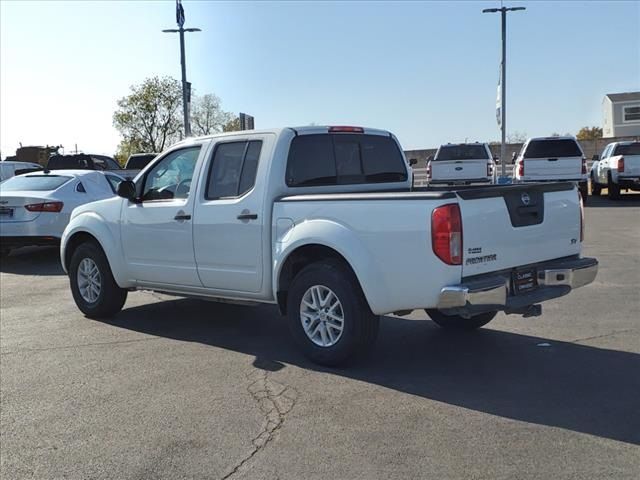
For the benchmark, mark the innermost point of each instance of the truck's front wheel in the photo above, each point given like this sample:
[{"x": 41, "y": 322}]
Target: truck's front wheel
[
  {"x": 456, "y": 322},
  {"x": 94, "y": 290},
  {"x": 328, "y": 315}
]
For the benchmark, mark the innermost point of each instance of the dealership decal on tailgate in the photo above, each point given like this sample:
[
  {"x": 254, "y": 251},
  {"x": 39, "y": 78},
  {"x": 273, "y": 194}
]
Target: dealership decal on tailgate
[{"x": 524, "y": 280}]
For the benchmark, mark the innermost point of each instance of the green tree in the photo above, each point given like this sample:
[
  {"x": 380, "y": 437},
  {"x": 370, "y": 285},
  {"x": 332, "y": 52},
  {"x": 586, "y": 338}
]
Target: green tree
[
  {"x": 233, "y": 125},
  {"x": 589, "y": 133},
  {"x": 149, "y": 118},
  {"x": 207, "y": 116}
]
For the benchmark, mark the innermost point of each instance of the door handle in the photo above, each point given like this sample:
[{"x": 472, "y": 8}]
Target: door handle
[
  {"x": 182, "y": 216},
  {"x": 248, "y": 216}
]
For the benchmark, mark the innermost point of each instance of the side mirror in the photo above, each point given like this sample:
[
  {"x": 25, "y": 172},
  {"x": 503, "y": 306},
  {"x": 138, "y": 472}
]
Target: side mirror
[
  {"x": 595, "y": 158},
  {"x": 413, "y": 161},
  {"x": 127, "y": 189}
]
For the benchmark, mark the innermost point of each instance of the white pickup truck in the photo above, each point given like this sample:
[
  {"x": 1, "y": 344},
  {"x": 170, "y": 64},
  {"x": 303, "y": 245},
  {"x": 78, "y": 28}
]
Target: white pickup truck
[
  {"x": 460, "y": 164},
  {"x": 617, "y": 169},
  {"x": 322, "y": 222}
]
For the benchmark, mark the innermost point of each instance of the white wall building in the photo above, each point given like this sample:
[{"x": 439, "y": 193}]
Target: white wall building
[{"x": 621, "y": 114}]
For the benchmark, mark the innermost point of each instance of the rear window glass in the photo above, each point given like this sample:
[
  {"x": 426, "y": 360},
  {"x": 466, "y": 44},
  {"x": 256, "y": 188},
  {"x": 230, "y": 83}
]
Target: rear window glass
[
  {"x": 552, "y": 148},
  {"x": 59, "y": 162},
  {"x": 629, "y": 149},
  {"x": 34, "y": 182},
  {"x": 344, "y": 159},
  {"x": 139, "y": 161},
  {"x": 462, "y": 152}
]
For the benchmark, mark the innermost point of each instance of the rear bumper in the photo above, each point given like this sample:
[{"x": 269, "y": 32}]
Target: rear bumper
[
  {"x": 494, "y": 292},
  {"x": 629, "y": 182},
  {"x": 460, "y": 181},
  {"x": 26, "y": 241}
]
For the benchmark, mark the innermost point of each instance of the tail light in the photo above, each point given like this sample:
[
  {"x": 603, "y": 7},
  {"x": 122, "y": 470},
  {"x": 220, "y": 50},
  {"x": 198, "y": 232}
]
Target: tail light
[
  {"x": 581, "y": 216},
  {"x": 489, "y": 169},
  {"x": 345, "y": 129},
  {"x": 521, "y": 168},
  {"x": 621, "y": 164},
  {"x": 446, "y": 233},
  {"x": 53, "y": 207},
  {"x": 429, "y": 171},
  {"x": 584, "y": 166}
]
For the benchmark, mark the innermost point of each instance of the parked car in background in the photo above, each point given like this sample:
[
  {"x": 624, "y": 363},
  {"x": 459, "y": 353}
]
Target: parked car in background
[
  {"x": 9, "y": 169},
  {"x": 552, "y": 159},
  {"x": 322, "y": 222},
  {"x": 461, "y": 163},
  {"x": 82, "y": 161},
  {"x": 617, "y": 169},
  {"x": 35, "y": 208},
  {"x": 138, "y": 161}
]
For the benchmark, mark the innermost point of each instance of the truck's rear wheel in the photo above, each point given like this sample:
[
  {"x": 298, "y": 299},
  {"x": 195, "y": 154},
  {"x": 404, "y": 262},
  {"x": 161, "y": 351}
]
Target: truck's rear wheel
[
  {"x": 328, "y": 315},
  {"x": 613, "y": 189},
  {"x": 456, "y": 322},
  {"x": 596, "y": 189},
  {"x": 94, "y": 290}
]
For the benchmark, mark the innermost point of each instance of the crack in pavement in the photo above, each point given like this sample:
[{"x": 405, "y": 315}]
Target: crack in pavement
[
  {"x": 610, "y": 334},
  {"x": 79, "y": 345},
  {"x": 275, "y": 401}
]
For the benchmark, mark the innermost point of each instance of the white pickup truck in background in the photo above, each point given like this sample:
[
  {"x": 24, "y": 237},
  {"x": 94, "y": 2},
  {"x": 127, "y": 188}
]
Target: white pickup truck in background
[
  {"x": 321, "y": 222},
  {"x": 617, "y": 169},
  {"x": 461, "y": 164},
  {"x": 552, "y": 159}
]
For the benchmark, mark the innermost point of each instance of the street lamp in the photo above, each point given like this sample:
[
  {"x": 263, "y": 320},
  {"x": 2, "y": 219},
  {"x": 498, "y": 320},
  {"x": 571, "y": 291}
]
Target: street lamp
[
  {"x": 503, "y": 80},
  {"x": 186, "y": 87}
]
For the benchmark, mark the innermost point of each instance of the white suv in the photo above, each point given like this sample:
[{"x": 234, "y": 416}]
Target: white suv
[{"x": 552, "y": 159}]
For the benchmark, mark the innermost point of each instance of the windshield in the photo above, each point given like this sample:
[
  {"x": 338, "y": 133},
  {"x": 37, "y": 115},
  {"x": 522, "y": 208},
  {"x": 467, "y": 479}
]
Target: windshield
[
  {"x": 552, "y": 148},
  {"x": 628, "y": 149},
  {"x": 462, "y": 152},
  {"x": 39, "y": 183}
]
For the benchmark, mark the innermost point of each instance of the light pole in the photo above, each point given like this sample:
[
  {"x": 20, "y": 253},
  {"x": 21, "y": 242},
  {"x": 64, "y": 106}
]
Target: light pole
[
  {"x": 503, "y": 80},
  {"x": 186, "y": 90}
]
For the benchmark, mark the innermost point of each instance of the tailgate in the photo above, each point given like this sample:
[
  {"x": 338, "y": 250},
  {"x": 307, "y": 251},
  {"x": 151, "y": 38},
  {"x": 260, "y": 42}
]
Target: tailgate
[
  {"x": 561, "y": 167},
  {"x": 458, "y": 169},
  {"x": 631, "y": 165},
  {"x": 509, "y": 226}
]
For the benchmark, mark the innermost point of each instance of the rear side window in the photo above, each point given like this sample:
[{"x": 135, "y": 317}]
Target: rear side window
[
  {"x": 344, "y": 159},
  {"x": 40, "y": 183},
  {"x": 233, "y": 170},
  {"x": 552, "y": 148},
  {"x": 629, "y": 149},
  {"x": 462, "y": 152}
]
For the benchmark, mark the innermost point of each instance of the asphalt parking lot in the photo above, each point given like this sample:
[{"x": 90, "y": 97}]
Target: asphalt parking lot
[{"x": 175, "y": 388}]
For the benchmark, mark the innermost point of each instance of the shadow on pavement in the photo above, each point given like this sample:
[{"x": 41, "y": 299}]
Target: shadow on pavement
[
  {"x": 33, "y": 261},
  {"x": 575, "y": 387},
  {"x": 626, "y": 200}
]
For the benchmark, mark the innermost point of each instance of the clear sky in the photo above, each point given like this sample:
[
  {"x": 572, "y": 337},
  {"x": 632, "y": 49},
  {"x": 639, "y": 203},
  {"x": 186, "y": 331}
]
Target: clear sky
[{"x": 425, "y": 70}]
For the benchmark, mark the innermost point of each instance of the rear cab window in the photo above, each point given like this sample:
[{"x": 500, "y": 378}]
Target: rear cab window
[
  {"x": 461, "y": 152},
  {"x": 344, "y": 159},
  {"x": 38, "y": 183},
  {"x": 628, "y": 149},
  {"x": 551, "y": 148}
]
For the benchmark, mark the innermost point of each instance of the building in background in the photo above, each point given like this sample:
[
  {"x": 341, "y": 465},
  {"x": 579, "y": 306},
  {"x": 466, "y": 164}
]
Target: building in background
[{"x": 621, "y": 114}]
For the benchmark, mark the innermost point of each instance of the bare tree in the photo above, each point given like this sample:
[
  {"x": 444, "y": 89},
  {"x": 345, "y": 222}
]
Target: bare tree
[{"x": 207, "y": 116}]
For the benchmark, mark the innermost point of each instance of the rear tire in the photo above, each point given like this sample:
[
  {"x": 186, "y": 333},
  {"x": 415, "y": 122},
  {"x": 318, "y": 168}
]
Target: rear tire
[
  {"x": 322, "y": 297},
  {"x": 613, "y": 189},
  {"x": 94, "y": 290},
  {"x": 596, "y": 189},
  {"x": 456, "y": 322}
]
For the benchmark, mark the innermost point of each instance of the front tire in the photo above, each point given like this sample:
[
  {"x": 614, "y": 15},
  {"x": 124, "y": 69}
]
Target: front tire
[
  {"x": 94, "y": 290},
  {"x": 328, "y": 315},
  {"x": 613, "y": 189},
  {"x": 456, "y": 322}
]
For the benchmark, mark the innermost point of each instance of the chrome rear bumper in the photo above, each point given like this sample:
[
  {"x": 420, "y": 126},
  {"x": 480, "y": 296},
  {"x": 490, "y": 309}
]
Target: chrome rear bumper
[{"x": 493, "y": 291}]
